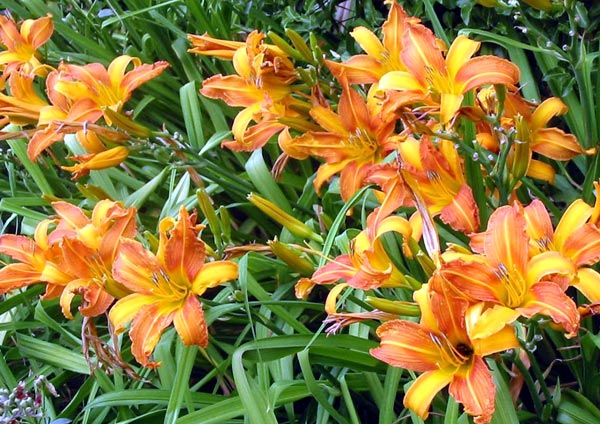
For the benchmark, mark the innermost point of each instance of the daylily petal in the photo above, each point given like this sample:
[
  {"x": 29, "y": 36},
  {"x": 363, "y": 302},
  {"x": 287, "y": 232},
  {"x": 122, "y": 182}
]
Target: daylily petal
[
  {"x": 408, "y": 345},
  {"x": 190, "y": 324},
  {"x": 484, "y": 70},
  {"x": 135, "y": 267},
  {"x": 547, "y": 264},
  {"x": 583, "y": 245},
  {"x": 462, "y": 213},
  {"x": 588, "y": 283},
  {"x": 576, "y": 215},
  {"x": 547, "y": 110},
  {"x": 15, "y": 276},
  {"x": 400, "y": 80},
  {"x": 359, "y": 69},
  {"x": 126, "y": 308},
  {"x": 232, "y": 89},
  {"x": 541, "y": 170},
  {"x": 461, "y": 50},
  {"x": 141, "y": 74},
  {"x": 555, "y": 144},
  {"x": 547, "y": 298},
  {"x": 19, "y": 248},
  {"x": 476, "y": 391},
  {"x": 474, "y": 279},
  {"x": 213, "y": 274},
  {"x": 145, "y": 332},
  {"x": 506, "y": 241},
  {"x": 500, "y": 341},
  {"x": 422, "y": 52},
  {"x": 539, "y": 226},
  {"x": 183, "y": 253},
  {"x": 449, "y": 105},
  {"x": 368, "y": 42},
  {"x": 482, "y": 324},
  {"x": 420, "y": 394}
]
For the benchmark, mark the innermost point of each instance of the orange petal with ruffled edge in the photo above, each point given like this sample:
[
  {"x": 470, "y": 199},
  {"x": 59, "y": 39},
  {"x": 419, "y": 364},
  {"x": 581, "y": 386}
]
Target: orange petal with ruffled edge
[
  {"x": 15, "y": 276},
  {"x": 547, "y": 298},
  {"x": 583, "y": 246},
  {"x": 145, "y": 332},
  {"x": 462, "y": 214},
  {"x": 475, "y": 390},
  {"x": 183, "y": 252},
  {"x": 484, "y": 70},
  {"x": 135, "y": 267},
  {"x": 555, "y": 144},
  {"x": 190, "y": 323}
]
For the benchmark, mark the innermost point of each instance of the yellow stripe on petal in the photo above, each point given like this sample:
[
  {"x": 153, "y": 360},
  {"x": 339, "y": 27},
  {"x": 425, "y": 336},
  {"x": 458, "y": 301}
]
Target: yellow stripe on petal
[
  {"x": 420, "y": 394},
  {"x": 213, "y": 274}
]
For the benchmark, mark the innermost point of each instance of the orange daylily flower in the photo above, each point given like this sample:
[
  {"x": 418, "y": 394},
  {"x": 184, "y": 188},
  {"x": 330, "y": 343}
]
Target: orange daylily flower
[
  {"x": 382, "y": 56},
  {"x": 445, "y": 81},
  {"x": 108, "y": 87},
  {"x": 22, "y": 44},
  {"x": 38, "y": 261},
  {"x": 444, "y": 346},
  {"x": 83, "y": 94},
  {"x": 532, "y": 135},
  {"x": 262, "y": 87},
  {"x": 506, "y": 276},
  {"x": 165, "y": 286},
  {"x": 355, "y": 139},
  {"x": 366, "y": 266},
  {"x": 438, "y": 177},
  {"x": 74, "y": 258},
  {"x": 576, "y": 237},
  {"x": 89, "y": 247}
]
